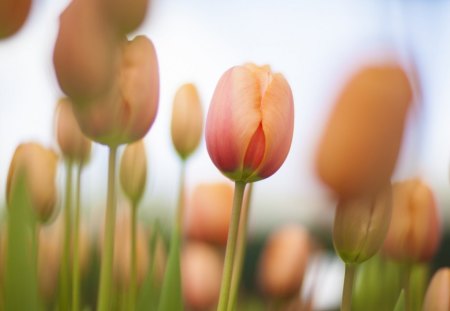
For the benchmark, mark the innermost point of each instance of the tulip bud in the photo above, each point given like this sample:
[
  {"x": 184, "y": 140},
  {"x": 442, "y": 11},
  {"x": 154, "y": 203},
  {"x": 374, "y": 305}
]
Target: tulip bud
[
  {"x": 187, "y": 120},
  {"x": 38, "y": 166},
  {"x": 366, "y": 126},
  {"x": 133, "y": 171},
  {"x": 209, "y": 211},
  {"x": 126, "y": 15},
  {"x": 201, "y": 273},
  {"x": 72, "y": 142},
  {"x": 13, "y": 14},
  {"x": 437, "y": 297},
  {"x": 361, "y": 224},
  {"x": 414, "y": 233},
  {"x": 250, "y": 123},
  {"x": 283, "y": 261}
]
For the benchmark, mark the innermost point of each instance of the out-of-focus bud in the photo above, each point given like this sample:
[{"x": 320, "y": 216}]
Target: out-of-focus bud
[
  {"x": 437, "y": 297},
  {"x": 201, "y": 273},
  {"x": 13, "y": 14},
  {"x": 361, "y": 224},
  {"x": 209, "y": 211},
  {"x": 72, "y": 142},
  {"x": 283, "y": 261},
  {"x": 250, "y": 123},
  {"x": 133, "y": 171},
  {"x": 126, "y": 15},
  {"x": 414, "y": 233},
  {"x": 126, "y": 112},
  {"x": 187, "y": 120},
  {"x": 38, "y": 167},
  {"x": 366, "y": 126}
]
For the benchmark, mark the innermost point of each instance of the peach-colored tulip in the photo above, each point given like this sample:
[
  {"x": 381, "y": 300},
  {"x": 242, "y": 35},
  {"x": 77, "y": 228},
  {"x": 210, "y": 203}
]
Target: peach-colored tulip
[
  {"x": 38, "y": 167},
  {"x": 133, "y": 170},
  {"x": 414, "y": 233},
  {"x": 13, "y": 14},
  {"x": 126, "y": 15},
  {"x": 250, "y": 123},
  {"x": 283, "y": 261},
  {"x": 208, "y": 212},
  {"x": 437, "y": 297},
  {"x": 127, "y": 111},
  {"x": 187, "y": 120},
  {"x": 361, "y": 141},
  {"x": 72, "y": 142},
  {"x": 201, "y": 272}
]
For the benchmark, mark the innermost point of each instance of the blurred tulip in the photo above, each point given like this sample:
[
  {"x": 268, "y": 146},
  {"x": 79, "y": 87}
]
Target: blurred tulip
[
  {"x": 209, "y": 211},
  {"x": 414, "y": 233},
  {"x": 361, "y": 224},
  {"x": 127, "y": 111},
  {"x": 13, "y": 14},
  {"x": 72, "y": 142},
  {"x": 359, "y": 147},
  {"x": 38, "y": 167},
  {"x": 201, "y": 272},
  {"x": 437, "y": 297},
  {"x": 283, "y": 261},
  {"x": 133, "y": 171},
  {"x": 126, "y": 15},
  {"x": 187, "y": 120},
  {"x": 84, "y": 249},
  {"x": 250, "y": 123}
]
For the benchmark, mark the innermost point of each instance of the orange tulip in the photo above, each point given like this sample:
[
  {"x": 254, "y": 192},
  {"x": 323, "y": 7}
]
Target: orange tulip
[
  {"x": 250, "y": 123},
  {"x": 13, "y": 14},
  {"x": 437, "y": 297},
  {"x": 133, "y": 171}
]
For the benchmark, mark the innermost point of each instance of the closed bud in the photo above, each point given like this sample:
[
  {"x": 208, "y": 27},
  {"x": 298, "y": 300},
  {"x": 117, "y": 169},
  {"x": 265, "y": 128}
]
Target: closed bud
[
  {"x": 187, "y": 120},
  {"x": 125, "y": 15},
  {"x": 133, "y": 171},
  {"x": 13, "y": 14},
  {"x": 437, "y": 297}
]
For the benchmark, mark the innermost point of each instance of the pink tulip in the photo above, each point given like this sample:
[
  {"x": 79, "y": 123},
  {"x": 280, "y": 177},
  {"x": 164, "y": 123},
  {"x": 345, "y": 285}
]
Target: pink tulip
[
  {"x": 13, "y": 14},
  {"x": 250, "y": 123}
]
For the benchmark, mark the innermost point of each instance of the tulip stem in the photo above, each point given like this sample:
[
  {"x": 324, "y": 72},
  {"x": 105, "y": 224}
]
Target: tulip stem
[
  {"x": 407, "y": 287},
  {"x": 133, "y": 285},
  {"x": 180, "y": 207},
  {"x": 231, "y": 246},
  {"x": 76, "y": 246},
  {"x": 108, "y": 245},
  {"x": 349, "y": 278},
  {"x": 240, "y": 250}
]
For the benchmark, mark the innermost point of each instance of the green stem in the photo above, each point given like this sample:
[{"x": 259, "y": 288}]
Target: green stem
[
  {"x": 350, "y": 271},
  {"x": 180, "y": 206},
  {"x": 240, "y": 250},
  {"x": 76, "y": 246},
  {"x": 133, "y": 285},
  {"x": 231, "y": 246},
  {"x": 407, "y": 286},
  {"x": 65, "y": 266},
  {"x": 108, "y": 245}
]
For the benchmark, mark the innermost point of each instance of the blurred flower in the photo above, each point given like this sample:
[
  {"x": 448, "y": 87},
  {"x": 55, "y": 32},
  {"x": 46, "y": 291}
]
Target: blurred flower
[
  {"x": 250, "y": 123},
  {"x": 187, "y": 120},
  {"x": 126, "y": 15},
  {"x": 283, "y": 261},
  {"x": 133, "y": 171},
  {"x": 414, "y": 233},
  {"x": 201, "y": 273},
  {"x": 37, "y": 165},
  {"x": 437, "y": 297},
  {"x": 359, "y": 147},
  {"x": 13, "y": 14},
  {"x": 209, "y": 211},
  {"x": 84, "y": 248},
  {"x": 361, "y": 224}
]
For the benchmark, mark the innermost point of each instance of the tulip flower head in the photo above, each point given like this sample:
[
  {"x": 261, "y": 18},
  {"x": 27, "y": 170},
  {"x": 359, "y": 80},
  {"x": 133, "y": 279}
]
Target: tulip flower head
[
  {"x": 13, "y": 14},
  {"x": 437, "y": 297},
  {"x": 250, "y": 123},
  {"x": 133, "y": 171},
  {"x": 126, "y": 15}
]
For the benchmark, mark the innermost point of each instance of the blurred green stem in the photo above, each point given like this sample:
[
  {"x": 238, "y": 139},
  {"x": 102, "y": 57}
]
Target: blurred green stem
[
  {"x": 350, "y": 271},
  {"x": 108, "y": 245},
  {"x": 239, "y": 189},
  {"x": 76, "y": 246},
  {"x": 240, "y": 250},
  {"x": 180, "y": 208},
  {"x": 406, "y": 286},
  {"x": 65, "y": 266},
  {"x": 133, "y": 284}
]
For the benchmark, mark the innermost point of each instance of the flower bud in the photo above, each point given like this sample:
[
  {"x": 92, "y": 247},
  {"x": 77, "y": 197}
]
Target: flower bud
[
  {"x": 209, "y": 211},
  {"x": 13, "y": 14},
  {"x": 133, "y": 171},
  {"x": 37, "y": 165},
  {"x": 201, "y": 273},
  {"x": 361, "y": 224},
  {"x": 126, "y": 15},
  {"x": 283, "y": 261},
  {"x": 366, "y": 125},
  {"x": 187, "y": 118},
  {"x": 437, "y": 297},
  {"x": 72, "y": 142},
  {"x": 250, "y": 123},
  {"x": 414, "y": 233}
]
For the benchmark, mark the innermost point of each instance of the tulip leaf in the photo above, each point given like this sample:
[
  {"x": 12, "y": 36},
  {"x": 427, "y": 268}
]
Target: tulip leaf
[{"x": 400, "y": 305}]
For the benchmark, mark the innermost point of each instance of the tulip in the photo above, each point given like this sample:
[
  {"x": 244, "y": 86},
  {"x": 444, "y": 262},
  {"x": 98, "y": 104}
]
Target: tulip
[
  {"x": 250, "y": 123},
  {"x": 359, "y": 147},
  {"x": 437, "y": 297},
  {"x": 37, "y": 165},
  {"x": 414, "y": 232},
  {"x": 209, "y": 212},
  {"x": 126, "y": 15},
  {"x": 13, "y": 14},
  {"x": 283, "y": 261},
  {"x": 133, "y": 171},
  {"x": 187, "y": 120}
]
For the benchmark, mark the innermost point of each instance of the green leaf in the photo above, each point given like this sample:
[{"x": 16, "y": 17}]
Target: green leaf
[{"x": 400, "y": 305}]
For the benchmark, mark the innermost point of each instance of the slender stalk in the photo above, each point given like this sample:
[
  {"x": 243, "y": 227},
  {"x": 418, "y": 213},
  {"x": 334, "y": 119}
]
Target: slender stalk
[
  {"x": 350, "y": 271},
  {"x": 65, "y": 267},
  {"x": 240, "y": 250},
  {"x": 407, "y": 287},
  {"x": 231, "y": 246},
  {"x": 108, "y": 245},
  {"x": 76, "y": 246},
  {"x": 133, "y": 285},
  {"x": 180, "y": 206}
]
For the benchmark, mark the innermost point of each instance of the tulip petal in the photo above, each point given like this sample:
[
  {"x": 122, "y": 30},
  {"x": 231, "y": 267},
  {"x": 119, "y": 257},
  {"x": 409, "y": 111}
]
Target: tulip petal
[{"x": 255, "y": 150}]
